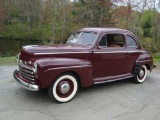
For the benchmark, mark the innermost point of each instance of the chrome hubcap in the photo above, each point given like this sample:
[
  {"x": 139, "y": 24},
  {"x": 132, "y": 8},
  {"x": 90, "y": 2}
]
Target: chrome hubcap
[
  {"x": 141, "y": 73},
  {"x": 64, "y": 88}
]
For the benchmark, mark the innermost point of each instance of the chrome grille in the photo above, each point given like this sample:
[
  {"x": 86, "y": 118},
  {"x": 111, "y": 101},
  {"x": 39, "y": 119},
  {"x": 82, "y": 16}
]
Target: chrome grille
[{"x": 26, "y": 72}]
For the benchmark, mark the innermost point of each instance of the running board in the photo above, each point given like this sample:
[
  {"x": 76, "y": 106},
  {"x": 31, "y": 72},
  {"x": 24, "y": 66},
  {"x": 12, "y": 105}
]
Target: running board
[{"x": 100, "y": 82}]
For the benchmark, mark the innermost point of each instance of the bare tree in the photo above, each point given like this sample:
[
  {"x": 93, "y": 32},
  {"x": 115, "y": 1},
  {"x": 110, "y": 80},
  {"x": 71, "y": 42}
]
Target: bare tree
[
  {"x": 155, "y": 26},
  {"x": 140, "y": 8},
  {"x": 30, "y": 10},
  {"x": 130, "y": 5},
  {"x": 54, "y": 4}
]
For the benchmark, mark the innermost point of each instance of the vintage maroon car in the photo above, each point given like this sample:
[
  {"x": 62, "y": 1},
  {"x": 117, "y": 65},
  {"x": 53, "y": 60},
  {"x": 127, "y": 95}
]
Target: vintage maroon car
[{"x": 90, "y": 56}]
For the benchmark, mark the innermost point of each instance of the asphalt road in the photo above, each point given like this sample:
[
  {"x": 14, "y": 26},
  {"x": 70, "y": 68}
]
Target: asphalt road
[{"x": 121, "y": 100}]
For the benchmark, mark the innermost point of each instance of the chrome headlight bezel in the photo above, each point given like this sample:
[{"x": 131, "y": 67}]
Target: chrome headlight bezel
[
  {"x": 18, "y": 57},
  {"x": 34, "y": 67}
]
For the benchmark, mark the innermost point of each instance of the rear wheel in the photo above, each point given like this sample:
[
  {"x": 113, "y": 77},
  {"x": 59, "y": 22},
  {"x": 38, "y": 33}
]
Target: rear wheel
[
  {"x": 140, "y": 78},
  {"x": 64, "y": 88}
]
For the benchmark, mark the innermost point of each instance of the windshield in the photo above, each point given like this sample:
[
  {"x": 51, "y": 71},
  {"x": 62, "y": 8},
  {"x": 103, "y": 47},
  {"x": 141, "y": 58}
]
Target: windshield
[{"x": 83, "y": 38}]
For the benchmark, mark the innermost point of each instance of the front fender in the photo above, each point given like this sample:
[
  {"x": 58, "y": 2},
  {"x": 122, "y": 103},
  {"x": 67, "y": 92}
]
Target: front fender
[{"x": 50, "y": 68}]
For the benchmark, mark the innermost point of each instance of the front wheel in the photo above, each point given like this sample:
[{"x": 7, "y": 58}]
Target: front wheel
[
  {"x": 64, "y": 88},
  {"x": 140, "y": 78}
]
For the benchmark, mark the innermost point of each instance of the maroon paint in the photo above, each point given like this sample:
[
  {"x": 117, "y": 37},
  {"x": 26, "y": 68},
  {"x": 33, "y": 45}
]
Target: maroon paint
[{"x": 90, "y": 64}]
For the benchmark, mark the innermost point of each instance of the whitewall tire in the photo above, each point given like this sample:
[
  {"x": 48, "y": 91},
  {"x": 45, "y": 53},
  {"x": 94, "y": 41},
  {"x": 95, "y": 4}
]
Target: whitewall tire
[
  {"x": 64, "y": 88},
  {"x": 140, "y": 78}
]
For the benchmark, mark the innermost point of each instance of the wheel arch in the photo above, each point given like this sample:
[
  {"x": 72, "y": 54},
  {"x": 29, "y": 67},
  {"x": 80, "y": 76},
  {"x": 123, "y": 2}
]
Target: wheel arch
[
  {"x": 84, "y": 76},
  {"x": 75, "y": 74}
]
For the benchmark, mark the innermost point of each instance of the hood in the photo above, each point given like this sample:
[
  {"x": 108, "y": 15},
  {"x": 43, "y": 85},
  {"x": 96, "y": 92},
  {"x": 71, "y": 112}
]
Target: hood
[{"x": 54, "y": 49}]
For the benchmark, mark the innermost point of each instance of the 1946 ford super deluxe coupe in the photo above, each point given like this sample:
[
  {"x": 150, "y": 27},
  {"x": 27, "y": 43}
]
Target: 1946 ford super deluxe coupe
[{"x": 90, "y": 56}]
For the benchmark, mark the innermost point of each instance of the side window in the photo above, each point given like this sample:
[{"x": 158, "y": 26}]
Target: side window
[
  {"x": 102, "y": 42},
  {"x": 112, "y": 40},
  {"x": 130, "y": 42},
  {"x": 115, "y": 40}
]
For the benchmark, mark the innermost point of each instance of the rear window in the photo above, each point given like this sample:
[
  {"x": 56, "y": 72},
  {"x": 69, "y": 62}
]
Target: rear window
[{"x": 130, "y": 42}]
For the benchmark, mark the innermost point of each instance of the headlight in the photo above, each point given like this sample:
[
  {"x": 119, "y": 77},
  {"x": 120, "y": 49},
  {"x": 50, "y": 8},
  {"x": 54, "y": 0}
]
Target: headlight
[{"x": 35, "y": 67}]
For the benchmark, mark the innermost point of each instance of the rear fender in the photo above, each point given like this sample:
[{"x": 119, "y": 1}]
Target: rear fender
[{"x": 143, "y": 59}]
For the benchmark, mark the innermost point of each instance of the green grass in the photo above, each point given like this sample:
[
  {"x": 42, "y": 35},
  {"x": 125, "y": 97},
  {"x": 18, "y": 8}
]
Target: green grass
[
  {"x": 8, "y": 61},
  {"x": 156, "y": 57}
]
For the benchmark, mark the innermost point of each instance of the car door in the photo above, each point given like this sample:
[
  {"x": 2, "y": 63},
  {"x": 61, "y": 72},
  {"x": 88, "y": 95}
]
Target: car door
[
  {"x": 132, "y": 52},
  {"x": 109, "y": 61}
]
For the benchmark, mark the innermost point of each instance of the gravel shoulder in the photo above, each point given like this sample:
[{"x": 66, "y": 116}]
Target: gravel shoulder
[{"x": 120, "y": 100}]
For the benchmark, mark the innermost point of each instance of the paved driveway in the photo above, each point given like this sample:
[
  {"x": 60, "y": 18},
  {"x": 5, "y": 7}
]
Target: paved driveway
[{"x": 121, "y": 100}]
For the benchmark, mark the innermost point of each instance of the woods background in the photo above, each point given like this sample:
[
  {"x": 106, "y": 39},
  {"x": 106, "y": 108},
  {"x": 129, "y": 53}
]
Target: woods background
[{"x": 55, "y": 20}]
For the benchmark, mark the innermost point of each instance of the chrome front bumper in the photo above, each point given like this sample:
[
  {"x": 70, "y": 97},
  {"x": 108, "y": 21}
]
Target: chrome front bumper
[{"x": 24, "y": 84}]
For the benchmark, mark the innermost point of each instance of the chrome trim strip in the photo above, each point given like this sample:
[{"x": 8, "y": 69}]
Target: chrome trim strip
[
  {"x": 116, "y": 52},
  {"x": 144, "y": 61},
  {"x": 111, "y": 52},
  {"x": 25, "y": 85},
  {"x": 24, "y": 70},
  {"x": 69, "y": 67},
  {"x": 133, "y": 51},
  {"x": 32, "y": 76},
  {"x": 100, "y": 82},
  {"x": 84, "y": 52},
  {"x": 26, "y": 77},
  {"x": 58, "y": 53},
  {"x": 24, "y": 66}
]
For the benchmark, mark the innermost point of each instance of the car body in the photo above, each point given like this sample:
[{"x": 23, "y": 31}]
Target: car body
[{"x": 90, "y": 56}]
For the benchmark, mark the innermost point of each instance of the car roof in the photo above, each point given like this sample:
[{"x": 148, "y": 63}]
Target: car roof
[{"x": 107, "y": 30}]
